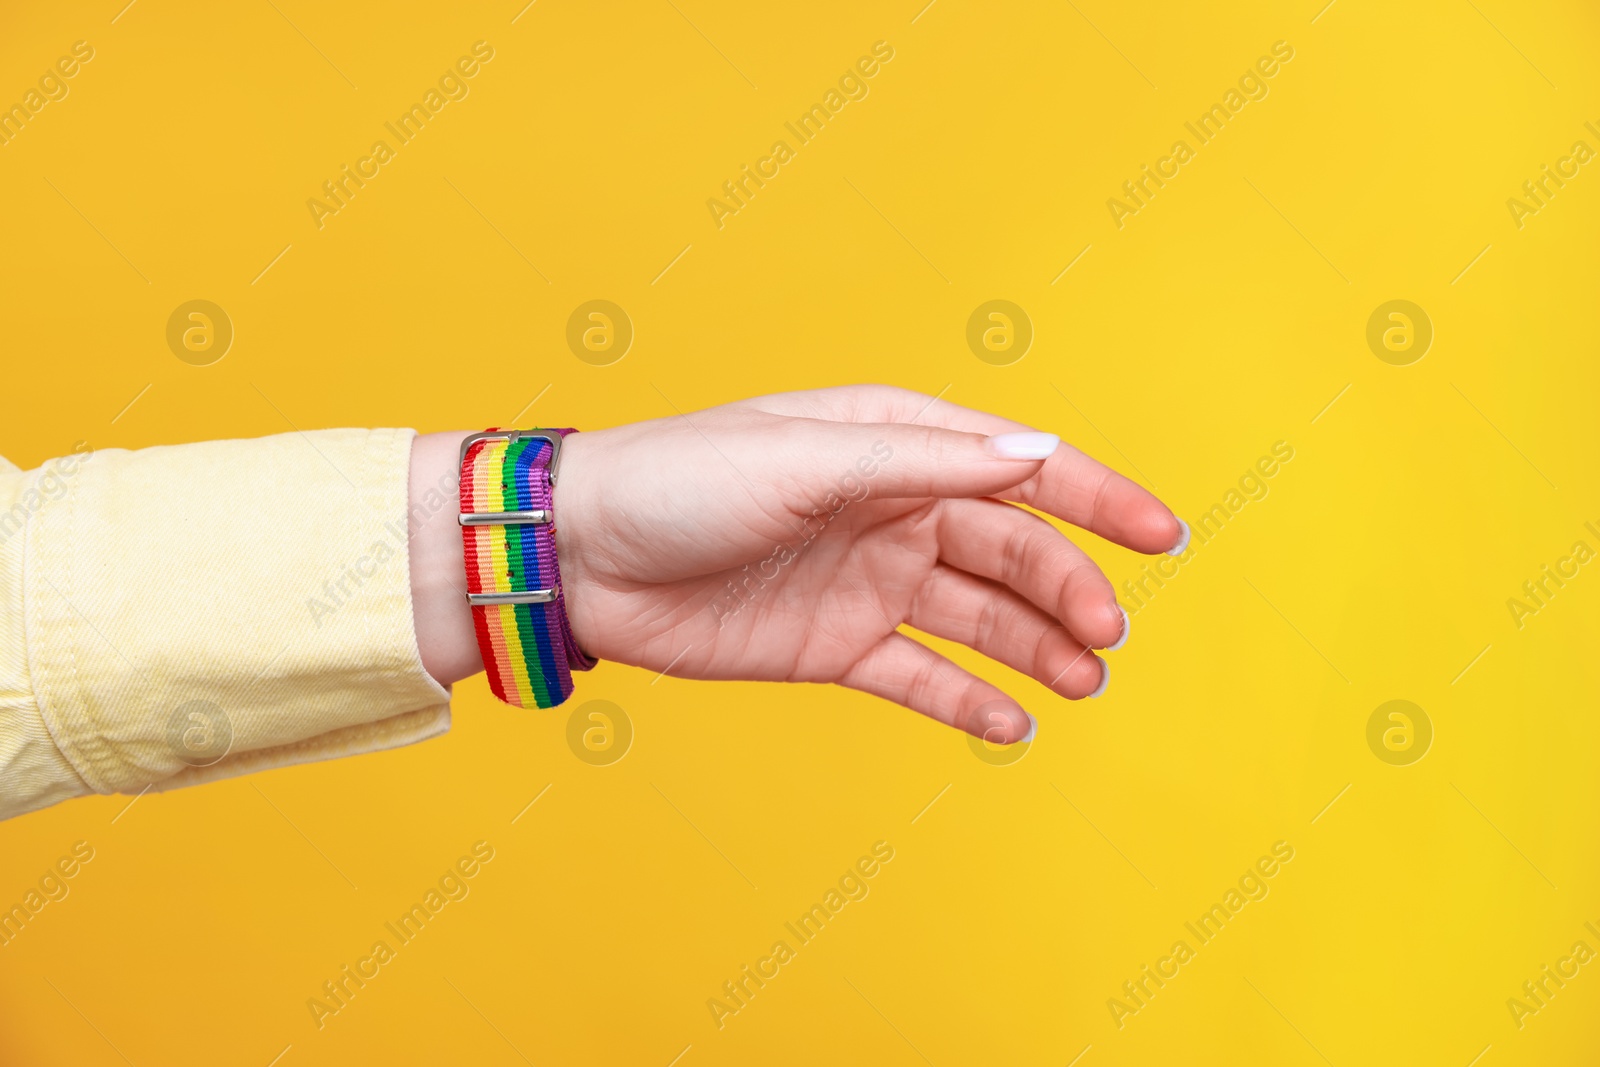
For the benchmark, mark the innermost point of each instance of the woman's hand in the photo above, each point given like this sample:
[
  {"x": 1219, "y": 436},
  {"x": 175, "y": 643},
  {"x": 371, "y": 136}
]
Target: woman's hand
[{"x": 788, "y": 537}]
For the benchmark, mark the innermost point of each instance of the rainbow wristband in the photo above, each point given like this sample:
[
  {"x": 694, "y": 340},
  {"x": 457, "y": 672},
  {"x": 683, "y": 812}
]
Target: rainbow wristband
[{"x": 513, "y": 581}]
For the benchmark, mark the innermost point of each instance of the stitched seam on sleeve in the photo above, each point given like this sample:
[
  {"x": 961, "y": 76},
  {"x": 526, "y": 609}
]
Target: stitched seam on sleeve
[
  {"x": 40, "y": 664},
  {"x": 95, "y": 754},
  {"x": 74, "y": 728}
]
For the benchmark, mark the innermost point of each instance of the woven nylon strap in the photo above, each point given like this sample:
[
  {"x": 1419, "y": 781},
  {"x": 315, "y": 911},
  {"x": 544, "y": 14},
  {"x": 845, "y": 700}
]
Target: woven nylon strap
[{"x": 528, "y": 648}]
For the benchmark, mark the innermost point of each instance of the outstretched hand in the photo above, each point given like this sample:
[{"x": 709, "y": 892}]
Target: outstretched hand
[{"x": 789, "y": 537}]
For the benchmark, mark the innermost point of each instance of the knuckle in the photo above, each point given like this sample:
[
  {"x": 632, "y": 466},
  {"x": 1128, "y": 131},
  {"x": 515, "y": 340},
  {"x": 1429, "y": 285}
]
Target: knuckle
[
  {"x": 1015, "y": 552},
  {"x": 1047, "y": 648},
  {"x": 991, "y": 623},
  {"x": 1098, "y": 497},
  {"x": 924, "y": 688}
]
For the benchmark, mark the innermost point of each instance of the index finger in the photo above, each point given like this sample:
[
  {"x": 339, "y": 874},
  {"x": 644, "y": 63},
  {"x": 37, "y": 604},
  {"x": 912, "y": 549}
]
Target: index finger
[{"x": 1071, "y": 485}]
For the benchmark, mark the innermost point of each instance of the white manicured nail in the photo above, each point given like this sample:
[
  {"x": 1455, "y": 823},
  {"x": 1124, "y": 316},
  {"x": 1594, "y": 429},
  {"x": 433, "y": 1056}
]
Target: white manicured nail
[
  {"x": 1033, "y": 728},
  {"x": 1126, "y": 627},
  {"x": 1028, "y": 445},
  {"x": 1183, "y": 540},
  {"x": 1105, "y": 679}
]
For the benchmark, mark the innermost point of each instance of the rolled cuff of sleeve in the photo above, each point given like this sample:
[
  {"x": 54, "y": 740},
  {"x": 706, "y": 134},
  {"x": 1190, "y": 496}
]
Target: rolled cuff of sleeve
[{"x": 205, "y": 610}]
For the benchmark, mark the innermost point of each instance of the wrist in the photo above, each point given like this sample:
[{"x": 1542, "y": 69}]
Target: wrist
[
  {"x": 445, "y": 634},
  {"x": 573, "y": 499}
]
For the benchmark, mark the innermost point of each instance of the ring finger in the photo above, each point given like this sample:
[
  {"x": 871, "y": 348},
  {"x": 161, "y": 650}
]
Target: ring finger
[{"x": 1000, "y": 624}]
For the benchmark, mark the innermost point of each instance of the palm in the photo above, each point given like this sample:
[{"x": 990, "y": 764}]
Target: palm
[
  {"x": 803, "y": 617},
  {"x": 844, "y": 592}
]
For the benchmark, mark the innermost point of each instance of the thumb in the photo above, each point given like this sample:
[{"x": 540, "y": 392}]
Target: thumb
[{"x": 894, "y": 459}]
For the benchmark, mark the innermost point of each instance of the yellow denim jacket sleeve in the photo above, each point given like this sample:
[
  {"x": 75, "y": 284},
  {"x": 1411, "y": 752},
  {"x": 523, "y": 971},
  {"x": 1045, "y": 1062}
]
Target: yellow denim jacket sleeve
[{"x": 176, "y": 615}]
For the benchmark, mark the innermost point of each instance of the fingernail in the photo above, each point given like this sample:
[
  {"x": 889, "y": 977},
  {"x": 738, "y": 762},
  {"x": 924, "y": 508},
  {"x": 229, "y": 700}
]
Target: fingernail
[
  {"x": 1183, "y": 538},
  {"x": 1126, "y": 627},
  {"x": 1105, "y": 679},
  {"x": 1029, "y": 445},
  {"x": 1033, "y": 728}
]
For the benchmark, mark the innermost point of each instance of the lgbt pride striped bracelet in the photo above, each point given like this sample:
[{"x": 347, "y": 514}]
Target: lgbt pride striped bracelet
[{"x": 513, "y": 581}]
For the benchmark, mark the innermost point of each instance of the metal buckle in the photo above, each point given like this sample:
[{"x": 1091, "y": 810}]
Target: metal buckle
[
  {"x": 513, "y": 436},
  {"x": 532, "y": 596},
  {"x": 538, "y": 516}
]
